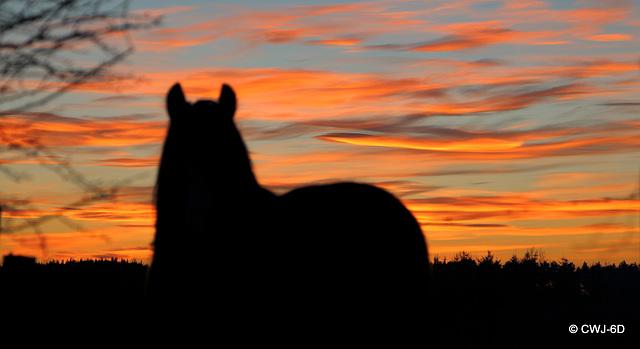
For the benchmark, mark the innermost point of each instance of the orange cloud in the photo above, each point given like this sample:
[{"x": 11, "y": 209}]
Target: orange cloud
[
  {"x": 130, "y": 162},
  {"x": 126, "y": 204},
  {"x": 25, "y": 213},
  {"x": 114, "y": 211},
  {"x": 122, "y": 226},
  {"x": 516, "y": 23},
  {"x": 53, "y": 130},
  {"x": 510, "y": 143},
  {"x": 273, "y": 26},
  {"x": 574, "y": 178},
  {"x": 610, "y": 37},
  {"x": 448, "y": 87},
  {"x": 496, "y": 209},
  {"x": 471, "y": 38},
  {"x": 524, "y": 4},
  {"x": 472, "y": 145},
  {"x": 338, "y": 42}
]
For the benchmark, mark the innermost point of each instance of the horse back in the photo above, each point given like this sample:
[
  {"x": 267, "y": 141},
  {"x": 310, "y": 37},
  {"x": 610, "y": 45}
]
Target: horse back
[{"x": 356, "y": 249}]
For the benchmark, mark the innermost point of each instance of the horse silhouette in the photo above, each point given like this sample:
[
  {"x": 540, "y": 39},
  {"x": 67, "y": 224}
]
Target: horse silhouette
[{"x": 225, "y": 247}]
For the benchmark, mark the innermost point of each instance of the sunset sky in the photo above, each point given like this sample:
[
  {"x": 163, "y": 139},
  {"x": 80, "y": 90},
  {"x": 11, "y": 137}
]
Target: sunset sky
[{"x": 502, "y": 125}]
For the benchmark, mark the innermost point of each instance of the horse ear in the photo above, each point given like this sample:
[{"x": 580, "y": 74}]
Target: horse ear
[
  {"x": 227, "y": 101},
  {"x": 176, "y": 103}
]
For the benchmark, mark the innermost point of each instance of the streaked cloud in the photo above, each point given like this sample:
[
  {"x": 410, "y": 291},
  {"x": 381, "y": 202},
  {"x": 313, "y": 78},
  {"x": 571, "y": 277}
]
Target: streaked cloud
[
  {"x": 361, "y": 25},
  {"x": 59, "y": 131},
  {"x": 610, "y": 37},
  {"x": 474, "y": 145}
]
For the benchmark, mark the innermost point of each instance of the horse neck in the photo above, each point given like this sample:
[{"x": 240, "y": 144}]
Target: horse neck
[
  {"x": 196, "y": 188},
  {"x": 231, "y": 171}
]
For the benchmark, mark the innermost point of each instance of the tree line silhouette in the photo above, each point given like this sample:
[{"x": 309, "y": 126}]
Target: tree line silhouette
[
  {"x": 530, "y": 300},
  {"x": 83, "y": 293},
  {"x": 525, "y": 300}
]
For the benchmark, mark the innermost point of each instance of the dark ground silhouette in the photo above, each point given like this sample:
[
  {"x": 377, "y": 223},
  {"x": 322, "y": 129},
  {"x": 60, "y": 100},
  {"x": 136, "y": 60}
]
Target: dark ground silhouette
[
  {"x": 70, "y": 301},
  {"x": 529, "y": 301},
  {"x": 479, "y": 302}
]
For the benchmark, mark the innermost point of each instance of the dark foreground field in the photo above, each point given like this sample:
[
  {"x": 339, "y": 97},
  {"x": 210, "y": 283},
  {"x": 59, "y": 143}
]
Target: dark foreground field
[
  {"x": 530, "y": 302},
  {"x": 475, "y": 301}
]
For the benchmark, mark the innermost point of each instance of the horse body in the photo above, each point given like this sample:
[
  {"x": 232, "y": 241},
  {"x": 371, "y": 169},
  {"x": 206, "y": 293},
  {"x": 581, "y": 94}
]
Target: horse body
[{"x": 226, "y": 246}]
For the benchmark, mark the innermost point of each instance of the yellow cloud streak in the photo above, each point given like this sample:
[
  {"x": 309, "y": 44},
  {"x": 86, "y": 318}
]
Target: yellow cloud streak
[{"x": 473, "y": 145}]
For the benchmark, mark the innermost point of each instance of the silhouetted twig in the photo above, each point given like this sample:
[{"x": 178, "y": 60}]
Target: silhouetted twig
[
  {"x": 42, "y": 44},
  {"x": 46, "y": 49}
]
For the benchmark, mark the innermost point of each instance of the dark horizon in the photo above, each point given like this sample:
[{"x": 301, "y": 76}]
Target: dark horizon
[
  {"x": 432, "y": 258},
  {"x": 472, "y": 301}
]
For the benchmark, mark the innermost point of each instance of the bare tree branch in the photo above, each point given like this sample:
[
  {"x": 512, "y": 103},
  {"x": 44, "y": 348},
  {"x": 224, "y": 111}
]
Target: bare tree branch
[{"x": 49, "y": 47}]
